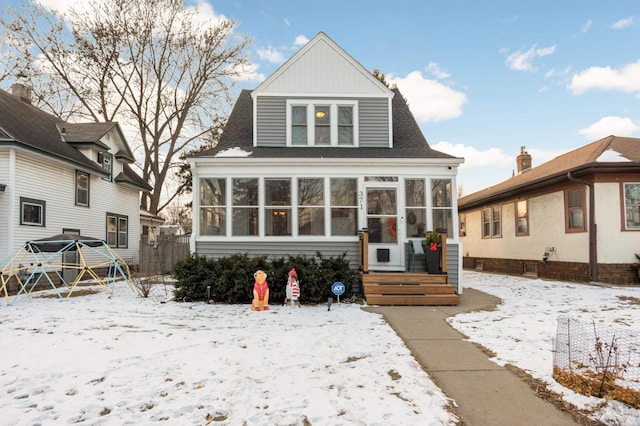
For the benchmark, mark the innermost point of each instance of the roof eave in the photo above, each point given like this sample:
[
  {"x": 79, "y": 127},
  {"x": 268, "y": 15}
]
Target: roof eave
[{"x": 581, "y": 171}]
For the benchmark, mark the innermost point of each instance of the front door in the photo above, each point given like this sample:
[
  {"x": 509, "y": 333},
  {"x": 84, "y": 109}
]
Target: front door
[{"x": 384, "y": 227}]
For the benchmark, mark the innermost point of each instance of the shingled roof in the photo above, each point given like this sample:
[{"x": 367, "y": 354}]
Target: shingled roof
[
  {"x": 612, "y": 154},
  {"x": 34, "y": 129},
  {"x": 408, "y": 140}
]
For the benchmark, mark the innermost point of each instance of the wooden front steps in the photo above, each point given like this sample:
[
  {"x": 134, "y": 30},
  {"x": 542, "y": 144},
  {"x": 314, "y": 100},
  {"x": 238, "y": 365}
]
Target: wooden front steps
[{"x": 408, "y": 288}]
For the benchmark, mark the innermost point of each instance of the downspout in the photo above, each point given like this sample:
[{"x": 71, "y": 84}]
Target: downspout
[{"x": 593, "y": 242}]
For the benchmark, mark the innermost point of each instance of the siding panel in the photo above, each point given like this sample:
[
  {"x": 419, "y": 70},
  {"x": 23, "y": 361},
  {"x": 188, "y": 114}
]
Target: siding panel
[
  {"x": 280, "y": 249},
  {"x": 374, "y": 122},
  {"x": 272, "y": 121}
]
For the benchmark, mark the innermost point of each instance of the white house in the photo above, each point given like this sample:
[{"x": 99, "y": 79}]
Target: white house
[
  {"x": 574, "y": 218},
  {"x": 58, "y": 177},
  {"x": 318, "y": 152}
]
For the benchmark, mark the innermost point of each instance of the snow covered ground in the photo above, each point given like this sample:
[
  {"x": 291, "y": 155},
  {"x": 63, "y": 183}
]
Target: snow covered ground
[{"x": 128, "y": 360}]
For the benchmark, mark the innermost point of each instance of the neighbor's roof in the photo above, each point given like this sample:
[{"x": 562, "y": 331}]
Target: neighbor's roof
[
  {"x": 34, "y": 129},
  {"x": 612, "y": 154},
  {"x": 408, "y": 140}
]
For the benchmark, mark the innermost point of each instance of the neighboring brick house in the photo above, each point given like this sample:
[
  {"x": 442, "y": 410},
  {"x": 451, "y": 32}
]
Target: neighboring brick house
[
  {"x": 60, "y": 177},
  {"x": 574, "y": 218},
  {"x": 318, "y": 151}
]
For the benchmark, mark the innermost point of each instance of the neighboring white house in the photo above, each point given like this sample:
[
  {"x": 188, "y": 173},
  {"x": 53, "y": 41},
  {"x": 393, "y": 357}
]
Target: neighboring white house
[
  {"x": 58, "y": 177},
  {"x": 575, "y": 218},
  {"x": 316, "y": 153}
]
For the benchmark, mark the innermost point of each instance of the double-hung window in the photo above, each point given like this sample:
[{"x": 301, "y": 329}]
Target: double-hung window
[
  {"x": 442, "y": 205},
  {"x": 322, "y": 123},
  {"x": 105, "y": 159},
  {"x": 82, "y": 188},
  {"x": 492, "y": 222},
  {"x": 522, "y": 218},
  {"x": 632, "y": 206},
  {"x": 574, "y": 210},
  {"x": 117, "y": 230},
  {"x": 245, "y": 207},
  {"x": 277, "y": 210},
  {"x": 311, "y": 206},
  {"x": 344, "y": 206},
  {"x": 213, "y": 206}
]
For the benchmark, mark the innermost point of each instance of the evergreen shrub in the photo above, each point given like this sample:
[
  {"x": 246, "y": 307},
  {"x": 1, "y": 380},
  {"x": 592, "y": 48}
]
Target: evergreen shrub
[{"x": 231, "y": 278}]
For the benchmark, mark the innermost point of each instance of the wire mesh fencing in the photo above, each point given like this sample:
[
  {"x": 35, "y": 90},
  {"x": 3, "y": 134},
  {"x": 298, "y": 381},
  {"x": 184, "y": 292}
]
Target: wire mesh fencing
[{"x": 596, "y": 360}]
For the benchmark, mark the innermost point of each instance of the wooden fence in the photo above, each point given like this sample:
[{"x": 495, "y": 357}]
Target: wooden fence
[{"x": 159, "y": 257}]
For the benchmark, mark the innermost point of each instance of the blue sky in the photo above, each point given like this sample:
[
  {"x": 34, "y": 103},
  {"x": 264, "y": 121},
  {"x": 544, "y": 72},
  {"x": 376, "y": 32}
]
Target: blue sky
[{"x": 482, "y": 78}]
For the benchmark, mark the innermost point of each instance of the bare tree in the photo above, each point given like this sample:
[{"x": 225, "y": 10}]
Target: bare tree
[{"x": 152, "y": 64}]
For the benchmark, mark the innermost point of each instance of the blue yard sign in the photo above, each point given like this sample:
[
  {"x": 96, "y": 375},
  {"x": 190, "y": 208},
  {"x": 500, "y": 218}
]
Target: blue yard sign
[{"x": 337, "y": 288}]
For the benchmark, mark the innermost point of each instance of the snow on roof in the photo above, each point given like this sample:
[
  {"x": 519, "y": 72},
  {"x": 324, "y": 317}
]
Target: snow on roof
[
  {"x": 234, "y": 152},
  {"x": 612, "y": 156}
]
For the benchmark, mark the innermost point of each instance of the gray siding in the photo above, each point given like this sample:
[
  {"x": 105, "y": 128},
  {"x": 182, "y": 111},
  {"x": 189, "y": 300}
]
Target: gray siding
[
  {"x": 374, "y": 122},
  {"x": 280, "y": 249},
  {"x": 217, "y": 250},
  {"x": 272, "y": 121},
  {"x": 452, "y": 264}
]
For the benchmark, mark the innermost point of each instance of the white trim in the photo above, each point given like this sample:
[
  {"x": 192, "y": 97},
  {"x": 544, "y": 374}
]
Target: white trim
[{"x": 333, "y": 104}]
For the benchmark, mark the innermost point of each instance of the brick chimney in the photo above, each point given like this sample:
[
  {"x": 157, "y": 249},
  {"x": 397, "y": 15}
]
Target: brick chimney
[
  {"x": 21, "y": 91},
  {"x": 523, "y": 161}
]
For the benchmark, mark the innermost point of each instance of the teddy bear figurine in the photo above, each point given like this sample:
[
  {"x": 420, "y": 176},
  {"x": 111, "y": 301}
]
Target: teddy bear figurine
[{"x": 260, "y": 291}]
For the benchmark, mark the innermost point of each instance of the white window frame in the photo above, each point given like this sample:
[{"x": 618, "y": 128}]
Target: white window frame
[
  {"x": 80, "y": 190},
  {"x": 627, "y": 209},
  {"x": 41, "y": 205},
  {"x": 333, "y": 105}
]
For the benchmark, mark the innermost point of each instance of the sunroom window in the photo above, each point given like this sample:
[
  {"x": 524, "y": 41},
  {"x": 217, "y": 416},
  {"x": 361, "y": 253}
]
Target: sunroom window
[
  {"x": 213, "y": 206},
  {"x": 311, "y": 206},
  {"x": 277, "y": 209}
]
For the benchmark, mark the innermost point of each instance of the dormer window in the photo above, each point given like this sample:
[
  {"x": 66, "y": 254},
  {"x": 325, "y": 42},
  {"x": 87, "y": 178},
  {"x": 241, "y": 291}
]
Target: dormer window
[
  {"x": 106, "y": 160},
  {"x": 322, "y": 123}
]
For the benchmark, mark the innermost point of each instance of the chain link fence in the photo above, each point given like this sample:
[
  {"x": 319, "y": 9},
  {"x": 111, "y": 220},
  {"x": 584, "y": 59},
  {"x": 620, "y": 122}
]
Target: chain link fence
[{"x": 596, "y": 360}]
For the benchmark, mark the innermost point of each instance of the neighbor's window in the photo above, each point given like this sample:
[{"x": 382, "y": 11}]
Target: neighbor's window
[
  {"x": 322, "y": 123},
  {"x": 277, "y": 211},
  {"x": 416, "y": 212},
  {"x": 522, "y": 217},
  {"x": 632, "y": 206},
  {"x": 245, "y": 207},
  {"x": 82, "y": 188},
  {"x": 311, "y": 206},
  {"x": 491, "y": 222},
  {"x": 441, "y": 205},
  {"x": 106, "y": 161},
  {"x": 32, "y": 212},
  {"x": 213, "y": 206},
  {"x": 575, "y": 212},
  {"x": 344, "y": 206},
  {"x": 117, "y": 230},
  {"x": 462, "y": 219}
]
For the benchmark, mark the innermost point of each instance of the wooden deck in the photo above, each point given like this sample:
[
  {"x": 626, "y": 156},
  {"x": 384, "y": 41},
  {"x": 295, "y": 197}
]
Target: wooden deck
[{"x": 408, "y": 288}]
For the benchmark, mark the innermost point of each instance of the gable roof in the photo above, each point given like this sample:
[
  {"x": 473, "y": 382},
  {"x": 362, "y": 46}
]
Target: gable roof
[
  {"x": 408, "y": 140},
  {"x": 34, "y": 129},
  {"x": 321, "y": 67},
  {"x": 90, "y": 133},
  {"x": 612, "y": 154}
]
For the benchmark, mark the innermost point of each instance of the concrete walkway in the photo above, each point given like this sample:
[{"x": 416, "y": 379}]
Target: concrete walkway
[{"x": 484, "y": 392}]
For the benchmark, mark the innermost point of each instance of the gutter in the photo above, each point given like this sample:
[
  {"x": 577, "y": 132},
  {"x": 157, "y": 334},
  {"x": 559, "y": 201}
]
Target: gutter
[{"x": 593, "y": 242}]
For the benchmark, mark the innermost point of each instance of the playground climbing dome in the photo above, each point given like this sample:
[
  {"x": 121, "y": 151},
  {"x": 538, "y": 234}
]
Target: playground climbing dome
[{"x": 63, "y": 255}]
